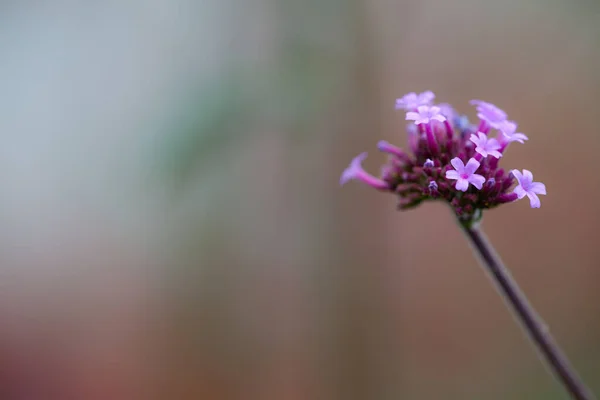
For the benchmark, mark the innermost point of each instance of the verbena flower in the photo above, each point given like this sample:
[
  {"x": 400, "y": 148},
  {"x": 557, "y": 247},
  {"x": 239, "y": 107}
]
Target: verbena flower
[
  {"x": 447, "y": 110},
  {"x": 356, "y": 171},
  {"x": 465, "y": 174},
  {"x": 487, "y": 112},
  {"x": 425, "y": 114},
  {"x": 411, "y": 101},
  {"x": 527, "y": 187},
  {"x": 508, "y": 130},
  {"x": 486, "y": 146},
  {"x": 451, "y": 160}
]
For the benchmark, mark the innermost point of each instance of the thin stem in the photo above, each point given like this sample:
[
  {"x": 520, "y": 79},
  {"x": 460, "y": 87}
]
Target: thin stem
[{"x": 531, "y": 322}]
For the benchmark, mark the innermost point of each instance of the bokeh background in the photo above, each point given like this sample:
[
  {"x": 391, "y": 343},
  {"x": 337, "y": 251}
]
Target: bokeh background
[{"x": 172, "y": 226}]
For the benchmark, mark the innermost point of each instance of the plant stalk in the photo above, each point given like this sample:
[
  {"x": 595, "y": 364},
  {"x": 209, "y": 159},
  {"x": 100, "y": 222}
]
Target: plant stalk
[{"x": 526, "y": 315}]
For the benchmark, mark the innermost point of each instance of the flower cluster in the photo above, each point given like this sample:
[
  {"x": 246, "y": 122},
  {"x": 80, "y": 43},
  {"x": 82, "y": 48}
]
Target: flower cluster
[{"x": 451, "y": 159}]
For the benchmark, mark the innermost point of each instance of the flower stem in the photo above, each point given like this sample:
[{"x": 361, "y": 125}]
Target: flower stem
[{"x": 527, "y": 316}]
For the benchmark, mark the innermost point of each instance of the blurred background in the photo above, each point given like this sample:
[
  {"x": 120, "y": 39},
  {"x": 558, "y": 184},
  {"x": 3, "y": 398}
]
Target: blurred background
[{"x": 172, "y": 226}]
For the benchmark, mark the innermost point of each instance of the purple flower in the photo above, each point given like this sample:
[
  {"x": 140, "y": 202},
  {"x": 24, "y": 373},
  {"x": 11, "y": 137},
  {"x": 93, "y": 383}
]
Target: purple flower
[
  {"x": 489, "y": 113},
  {"x": 428, "y": 163},
  {"x": 447, "y": 111},
  {"x": 508, "y": 129},
  {"x": 386, "y": 147},
  {"x": 485, "y": 145},
  {"x": 425, "y": 114},
  {"x": 411, "y": 101},
  {"x": 356, "y": 171},
  {"x": 465, "y": 174},
  {"x": 528, "y": 187}
]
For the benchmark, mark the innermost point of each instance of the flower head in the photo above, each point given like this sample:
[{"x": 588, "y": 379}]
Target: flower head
[
  {"x": 508, "y": 129},
  {"x": 411, "y": 101},
  {"x": 356, "y": 171},
  {"x": 489, "y": 113},
  {"x": 526, "y": 186},
  {"x": 440, "y": 138},
  {"x": 424, "y": 114},
  {"x": 486, "y": 146},
  {"x": 465, "y": 174}
]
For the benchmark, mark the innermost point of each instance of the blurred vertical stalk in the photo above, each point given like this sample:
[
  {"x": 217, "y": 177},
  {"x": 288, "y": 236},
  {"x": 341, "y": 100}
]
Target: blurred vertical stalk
[
  {"x": 516, "y": 300},
  {"x": 327, "y": 46}
]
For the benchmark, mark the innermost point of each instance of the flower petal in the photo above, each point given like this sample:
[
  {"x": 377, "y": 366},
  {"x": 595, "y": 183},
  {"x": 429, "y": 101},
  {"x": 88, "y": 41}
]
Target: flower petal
[
  {"x": 477, "y": 180},
  {"x": 519, "y": 191},
  {"x": 519, "y": 137},
  {"x": 426, "y": 97},
  {"x": 353, "y": 169},
  {"x": 462, "y": 184},
  {"x": 495, "y": 153},
  {"x": 458, "y": 164},
  {"x": 534, "y": 200},
  {"x": 527, "y": 177},
  {"x": 471, "y": 166},
  {"x": 423, "y": 109},
  {"x": 411, "y": 115},
  {"x": 495, "y": 124},
  {"x": 475, "y": 139},
  {"x": 537, "y": 187},
  {"x": 447, "y": 110},
  {"x": 452, "y": 174},
  {"x": 518, "y": 176},
  {"x": 508, "y": 128},
  {"x": 481, "y": 151},
  {"x": 407, "y": 101},
  {"x": 492, "y": 144}
]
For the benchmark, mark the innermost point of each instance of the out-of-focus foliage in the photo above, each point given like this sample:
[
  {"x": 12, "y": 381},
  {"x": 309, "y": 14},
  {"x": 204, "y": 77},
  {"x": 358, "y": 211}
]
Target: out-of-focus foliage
[
  {"x": 203, "y": 125},
  {"x": 291, "y": 87}
]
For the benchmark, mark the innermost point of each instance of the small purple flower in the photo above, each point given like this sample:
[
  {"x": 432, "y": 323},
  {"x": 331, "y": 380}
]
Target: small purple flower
[
  {"x": 485, "y": 145},
  {"x": 528, "y": 187},
  {"x": 356, "y": 171},
  {"x": 488, "y": 112},
  {"x": 411, "y": 101},
  {"x": 428, "y": 163},
  {"x": 388, "y": 148},
  {"x": 508, "y": 129},
  {"x": 447, "y": 111},
  {"x": 425, "y": 114},
  {"x": 465, "y": 174},
  {"x": 433, "y": 186}
]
